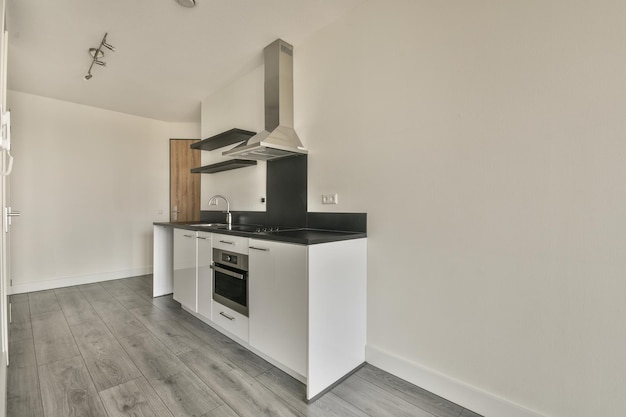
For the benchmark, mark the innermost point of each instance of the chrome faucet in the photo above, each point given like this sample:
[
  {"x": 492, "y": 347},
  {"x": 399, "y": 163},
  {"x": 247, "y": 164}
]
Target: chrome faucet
[{"x": 213, "y": 202}]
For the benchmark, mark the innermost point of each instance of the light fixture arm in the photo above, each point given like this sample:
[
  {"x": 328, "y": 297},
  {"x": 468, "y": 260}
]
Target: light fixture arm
[{"x": 98, "y": 53}]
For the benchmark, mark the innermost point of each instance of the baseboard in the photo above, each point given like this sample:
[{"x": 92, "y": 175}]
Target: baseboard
[
  {"x": 77, "y": 280},
  {"x": 465, "y": 395}
]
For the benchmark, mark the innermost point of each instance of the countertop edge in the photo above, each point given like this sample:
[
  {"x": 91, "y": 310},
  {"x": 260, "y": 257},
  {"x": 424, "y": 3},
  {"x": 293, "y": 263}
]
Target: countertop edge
[{"x": 330, "y": 235}]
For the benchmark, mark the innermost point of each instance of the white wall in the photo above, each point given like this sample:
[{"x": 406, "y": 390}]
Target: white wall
[
  {"x": 485, "y": 140},
  {"x": 236, "y": 105},
  {"x": 89, "y": 183}
]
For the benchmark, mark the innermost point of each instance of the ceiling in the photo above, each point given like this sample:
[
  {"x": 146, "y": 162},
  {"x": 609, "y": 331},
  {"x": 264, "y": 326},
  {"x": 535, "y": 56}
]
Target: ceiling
[{"x": 168, "y": 57}]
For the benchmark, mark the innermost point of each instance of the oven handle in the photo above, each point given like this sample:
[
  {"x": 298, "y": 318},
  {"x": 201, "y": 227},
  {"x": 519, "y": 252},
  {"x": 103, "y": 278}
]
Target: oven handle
[{"x": 227, "y": 272}]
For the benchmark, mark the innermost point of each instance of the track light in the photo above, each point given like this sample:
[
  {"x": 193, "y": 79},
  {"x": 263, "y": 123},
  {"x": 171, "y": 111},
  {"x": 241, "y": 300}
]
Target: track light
[
  {"x": 98, "y": 53},
  {"x": 187, "y": 3},
  {"x": 106, "y": 45}
]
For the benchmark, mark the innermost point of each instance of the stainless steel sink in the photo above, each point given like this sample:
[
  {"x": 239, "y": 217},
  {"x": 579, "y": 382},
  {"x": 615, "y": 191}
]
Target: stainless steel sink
[{"x": 220, "y": 225}]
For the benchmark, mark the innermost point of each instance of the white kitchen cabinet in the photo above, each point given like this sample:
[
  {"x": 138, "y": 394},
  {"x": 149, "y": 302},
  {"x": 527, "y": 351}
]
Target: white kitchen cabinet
[
  {"x": 191, "y": 270},
  {"x": 278, "y": 302},
  {"x": 236, "y": 324},
  {"x": 162, "y": 269},
  {"x": 337, "y": 298},
  {"x": 307, "y": 303},
  {"x": 184, "y": 265},
  {"x": 231, "y": 243},
  {"x": 205, "y": 276},
  {"x": 308, "y": 308}
]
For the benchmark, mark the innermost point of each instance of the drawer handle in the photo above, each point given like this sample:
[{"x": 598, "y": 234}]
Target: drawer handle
[
  {"x": 203, "y": 238},
  {"x": 263, "y": 249},
  {"x": 227, "y": 242},
  {"x": 227, "y": 316},
  {"x": 189, "y": 235}
]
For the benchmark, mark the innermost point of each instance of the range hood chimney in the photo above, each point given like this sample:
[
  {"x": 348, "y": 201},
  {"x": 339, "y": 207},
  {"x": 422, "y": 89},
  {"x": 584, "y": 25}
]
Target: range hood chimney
[{"x": 279, "y": 139}]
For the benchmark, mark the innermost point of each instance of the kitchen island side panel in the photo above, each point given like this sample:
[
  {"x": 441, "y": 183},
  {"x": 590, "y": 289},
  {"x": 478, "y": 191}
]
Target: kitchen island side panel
[
  {"x": 162, "y": 279},
  {"x": 337, "y": 312}
]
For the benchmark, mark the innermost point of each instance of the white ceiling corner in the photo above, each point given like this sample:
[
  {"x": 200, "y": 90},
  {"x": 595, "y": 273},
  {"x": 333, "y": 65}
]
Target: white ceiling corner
[{"x": 167, "y": 58}]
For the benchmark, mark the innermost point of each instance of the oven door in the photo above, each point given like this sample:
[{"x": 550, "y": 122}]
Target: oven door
[{"x": 230, "y": 287}]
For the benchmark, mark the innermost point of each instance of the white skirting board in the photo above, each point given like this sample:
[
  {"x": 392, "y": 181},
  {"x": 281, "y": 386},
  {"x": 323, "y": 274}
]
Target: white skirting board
[
  {"x": 472, "y": 398},
  {"x": 77, "y": 280}
]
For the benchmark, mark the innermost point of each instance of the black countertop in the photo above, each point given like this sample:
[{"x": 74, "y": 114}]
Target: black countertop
[{"x": 302, "y": 236}]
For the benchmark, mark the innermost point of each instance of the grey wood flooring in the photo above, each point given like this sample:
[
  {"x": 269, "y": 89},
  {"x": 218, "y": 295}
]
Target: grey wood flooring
[{"x": 111, "y": 350}]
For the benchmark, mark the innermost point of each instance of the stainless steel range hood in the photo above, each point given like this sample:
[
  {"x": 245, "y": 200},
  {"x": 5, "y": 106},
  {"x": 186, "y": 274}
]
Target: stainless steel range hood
[{"x": 279, "y": 139}]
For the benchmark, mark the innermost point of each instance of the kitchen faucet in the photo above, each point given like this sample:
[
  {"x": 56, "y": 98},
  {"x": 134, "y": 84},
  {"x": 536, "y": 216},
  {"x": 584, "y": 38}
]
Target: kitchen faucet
[{"x": 213, "y": 202}]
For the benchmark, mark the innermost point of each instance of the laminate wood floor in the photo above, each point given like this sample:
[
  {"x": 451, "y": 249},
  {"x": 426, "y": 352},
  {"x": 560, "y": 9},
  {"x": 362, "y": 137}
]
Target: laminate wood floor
[{"x": 111, "y": 350}]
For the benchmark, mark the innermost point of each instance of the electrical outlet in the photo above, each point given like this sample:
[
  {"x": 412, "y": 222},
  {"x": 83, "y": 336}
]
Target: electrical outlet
[
  {"x": 263, "y": 200},
  {"x": 330, "y": 199}
]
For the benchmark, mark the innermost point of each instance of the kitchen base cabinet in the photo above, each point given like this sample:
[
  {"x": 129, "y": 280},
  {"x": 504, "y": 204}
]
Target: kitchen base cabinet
[
  {"x": 230, "y": 243},
  {"x": 184, "y": 264},
  {"x": 162, "y": 281},
  {"x": 205, "y": 276},
  {"x": 308, "y": 308},
  {"x": 307, "y": 303},
  {"x": 191, "y": 271},
  {"x": 278, "y": 302},
  {"x": 337, "y": 302},
  {"x": 233, "y": 322}
]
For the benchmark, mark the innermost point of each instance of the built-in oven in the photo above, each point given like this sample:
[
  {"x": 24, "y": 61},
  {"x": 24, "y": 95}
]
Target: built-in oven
[{"x": 230, "y": 280}]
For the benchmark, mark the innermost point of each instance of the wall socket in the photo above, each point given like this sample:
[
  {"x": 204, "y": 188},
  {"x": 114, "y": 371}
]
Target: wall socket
[{"x": 330, "y": 199}]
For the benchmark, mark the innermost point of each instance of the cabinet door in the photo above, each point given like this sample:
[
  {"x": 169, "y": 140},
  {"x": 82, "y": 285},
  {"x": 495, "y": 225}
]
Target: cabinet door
[
  {"x": 205, "y": 275},
  {"x": 185, "y": 268},
  {"x": 278, "y": 302}
]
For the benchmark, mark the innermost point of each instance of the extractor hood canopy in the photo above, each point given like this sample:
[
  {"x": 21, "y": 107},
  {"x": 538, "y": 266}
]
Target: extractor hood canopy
[{"x": 279, "y": 139}]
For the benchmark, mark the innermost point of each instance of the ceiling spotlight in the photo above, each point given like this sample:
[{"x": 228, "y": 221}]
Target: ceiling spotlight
[
  {"x": 98, "y": 53},
  {"x": 106, "y": 45},
  {"x": 187, "y": 3}
]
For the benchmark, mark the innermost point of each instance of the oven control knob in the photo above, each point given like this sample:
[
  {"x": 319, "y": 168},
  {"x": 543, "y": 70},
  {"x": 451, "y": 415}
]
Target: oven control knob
[{"x": 227, "y": 258}]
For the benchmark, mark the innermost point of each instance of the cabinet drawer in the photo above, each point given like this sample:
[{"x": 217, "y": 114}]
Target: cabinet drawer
[
  {"x": 231, "y": 321},
  {"x": 231, "y": 243}
]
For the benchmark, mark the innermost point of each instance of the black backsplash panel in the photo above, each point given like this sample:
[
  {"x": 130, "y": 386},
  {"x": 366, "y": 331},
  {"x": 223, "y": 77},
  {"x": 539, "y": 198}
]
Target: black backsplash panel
[
  {"x": 346, "y": 222},
  {"x": 239, "y": 217},
  {"x": 287, "y": 191}
]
